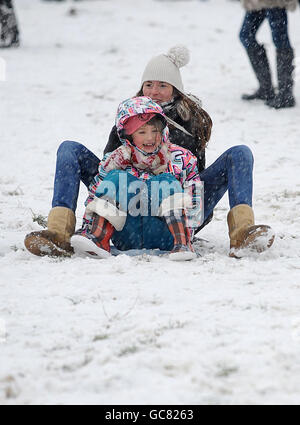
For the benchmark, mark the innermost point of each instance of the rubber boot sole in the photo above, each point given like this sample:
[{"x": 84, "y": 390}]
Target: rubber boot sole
[
  {"x": 41, "y": 246},
  {"x": 182, "y": 256},
  {"x": 257, "y": 239},
  {"x": 83, "y": 245}
]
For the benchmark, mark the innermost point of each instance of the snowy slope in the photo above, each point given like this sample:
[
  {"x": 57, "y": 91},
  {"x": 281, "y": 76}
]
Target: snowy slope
[{"x": 142, "y": 329}]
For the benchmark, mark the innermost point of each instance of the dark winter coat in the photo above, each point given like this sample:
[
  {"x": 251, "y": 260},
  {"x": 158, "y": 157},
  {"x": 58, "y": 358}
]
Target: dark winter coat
[
  {"x": 254, "y": 5},
  {"x": 177, "y": 137}
]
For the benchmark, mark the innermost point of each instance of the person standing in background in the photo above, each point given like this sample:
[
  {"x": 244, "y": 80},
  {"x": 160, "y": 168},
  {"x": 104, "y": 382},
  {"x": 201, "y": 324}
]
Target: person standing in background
[
  {"x": 276, "y": 13},
  {"x": 9, "y": 35}
]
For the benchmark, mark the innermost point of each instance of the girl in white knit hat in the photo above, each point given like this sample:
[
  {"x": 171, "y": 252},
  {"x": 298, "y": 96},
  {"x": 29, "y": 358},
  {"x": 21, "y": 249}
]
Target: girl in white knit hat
[{"x": 190, "y": 127}]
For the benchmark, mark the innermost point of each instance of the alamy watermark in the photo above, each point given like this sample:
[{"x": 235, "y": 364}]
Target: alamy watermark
[
  {"x": 154, "y": 197},
  {"x": 2, "y": 70},
  {"x": 3, "y": 332}
]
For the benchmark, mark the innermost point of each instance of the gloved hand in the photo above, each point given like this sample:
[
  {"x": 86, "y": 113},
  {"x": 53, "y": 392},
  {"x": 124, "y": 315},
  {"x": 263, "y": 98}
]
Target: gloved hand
[{"x": 119, "y": 159}]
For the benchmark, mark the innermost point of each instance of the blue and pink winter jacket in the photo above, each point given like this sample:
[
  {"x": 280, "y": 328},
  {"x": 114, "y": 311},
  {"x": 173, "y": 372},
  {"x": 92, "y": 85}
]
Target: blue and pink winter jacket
[{"x": 182, "y": 163}]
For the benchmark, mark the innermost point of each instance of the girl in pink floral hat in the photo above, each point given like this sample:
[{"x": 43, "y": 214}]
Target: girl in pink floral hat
[{"x": 139, "y": 201}]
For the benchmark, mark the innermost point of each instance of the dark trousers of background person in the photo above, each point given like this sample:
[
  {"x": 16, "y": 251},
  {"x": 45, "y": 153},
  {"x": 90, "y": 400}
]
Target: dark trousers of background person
[
  {"x": 7, "y": 3},
  {"x": 9, "y": 32},
  {"x": 278, "y": 21}
]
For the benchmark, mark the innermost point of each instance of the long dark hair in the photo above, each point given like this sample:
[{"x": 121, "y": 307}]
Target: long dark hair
[{"x": 190, "y": 111}]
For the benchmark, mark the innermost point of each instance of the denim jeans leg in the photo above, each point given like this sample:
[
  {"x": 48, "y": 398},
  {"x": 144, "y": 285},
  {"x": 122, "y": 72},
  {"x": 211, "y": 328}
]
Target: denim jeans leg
[
  {"x": 156, "y": 234},
  {"x": 161, "y": 187},
  {"x": 74, "y": 163},
  {"x": 141, "y": 199},
  {"x": 278, "y": 20},
  {"x": 250, "y": 26},
  {"x": 232, "y": 171}
]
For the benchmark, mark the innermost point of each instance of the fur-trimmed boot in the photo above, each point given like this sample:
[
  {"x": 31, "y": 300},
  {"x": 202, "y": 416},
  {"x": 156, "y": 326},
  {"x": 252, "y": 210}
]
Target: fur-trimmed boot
[
  {"x": 55, "y": 241},
  {"x": 9, "y": 36},
  {"x": 243, "y": 233},
  {"x": 95, "y": 241},
  {"x": 284, "y": 98},
  {"x": 260, "y": 64}
]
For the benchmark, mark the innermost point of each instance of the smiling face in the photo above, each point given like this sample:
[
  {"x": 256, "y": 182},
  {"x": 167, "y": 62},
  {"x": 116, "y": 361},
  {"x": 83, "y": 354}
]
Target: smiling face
[
  {"x": 159, "y": 91},
  {"x": 147, "y": 138}
]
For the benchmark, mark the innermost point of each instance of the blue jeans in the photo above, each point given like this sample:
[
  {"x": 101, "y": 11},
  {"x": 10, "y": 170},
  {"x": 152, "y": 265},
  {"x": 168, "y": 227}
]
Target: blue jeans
[
  {"x": 232, "y": 171},
  {"x": 74, "y": 163},
  {"x": 278, "y": 21},
  {"x": 141, "y": 200}
]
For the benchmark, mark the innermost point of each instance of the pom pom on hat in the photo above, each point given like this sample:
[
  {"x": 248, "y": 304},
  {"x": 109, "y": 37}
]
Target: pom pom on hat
[
  {"x": 166, "y": 67},
  {"x": 179, "y": 55}
]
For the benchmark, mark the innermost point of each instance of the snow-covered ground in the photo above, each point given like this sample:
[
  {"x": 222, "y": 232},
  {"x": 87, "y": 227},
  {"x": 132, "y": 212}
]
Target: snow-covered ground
[{"x": 143, "y": 329}]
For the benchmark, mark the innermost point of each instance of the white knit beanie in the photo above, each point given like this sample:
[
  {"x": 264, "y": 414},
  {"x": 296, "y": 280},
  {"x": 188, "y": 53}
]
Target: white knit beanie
[{"x": 166, "y": 67}]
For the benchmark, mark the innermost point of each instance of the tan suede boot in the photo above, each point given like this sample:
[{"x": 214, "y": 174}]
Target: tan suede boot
[
  {"x": 55, "y": 241},
  {"x": 243, "y": 233}
]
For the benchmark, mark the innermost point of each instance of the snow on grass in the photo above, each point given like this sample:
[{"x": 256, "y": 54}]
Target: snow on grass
[{"x": 143, "y": 329}]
